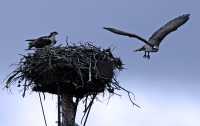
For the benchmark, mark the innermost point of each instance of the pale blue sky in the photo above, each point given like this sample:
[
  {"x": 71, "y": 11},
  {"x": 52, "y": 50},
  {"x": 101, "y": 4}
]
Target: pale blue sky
[{"x": 167, "y": 86}]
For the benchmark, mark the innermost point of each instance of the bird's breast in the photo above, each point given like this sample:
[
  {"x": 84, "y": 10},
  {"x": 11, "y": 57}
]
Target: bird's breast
[{"x": 148, "y": 48}]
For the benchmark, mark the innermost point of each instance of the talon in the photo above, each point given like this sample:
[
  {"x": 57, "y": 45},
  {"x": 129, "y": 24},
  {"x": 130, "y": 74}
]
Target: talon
[
  {"x": 145, "y": 55},
  {"x": 148, "y": 57}
]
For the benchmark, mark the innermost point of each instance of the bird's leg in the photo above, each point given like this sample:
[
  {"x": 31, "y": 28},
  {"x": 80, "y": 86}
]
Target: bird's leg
[
  {"x": 148, "y": 55},
  {"x": 145, "y": 54}
]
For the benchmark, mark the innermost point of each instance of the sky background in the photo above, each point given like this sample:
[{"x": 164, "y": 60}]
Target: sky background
[{"x": 166, "y": 87}]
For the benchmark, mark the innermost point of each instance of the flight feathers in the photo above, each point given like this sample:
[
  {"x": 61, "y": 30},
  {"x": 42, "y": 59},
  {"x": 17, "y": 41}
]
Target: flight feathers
[
  {"x": 169, "y": 27},
  {"x": 120, "y": 32},
  {"x": 160, "y": 34}
]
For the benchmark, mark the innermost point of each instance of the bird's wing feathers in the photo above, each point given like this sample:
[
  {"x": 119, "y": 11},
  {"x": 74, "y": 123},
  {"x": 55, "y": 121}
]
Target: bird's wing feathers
[
  {"x": 119, "y": 32},
  {"x": 30, "y": 40},
  {"x": 40, "y": 38},
  {"x": 42, "y": 42},
  {"x": 39, "y": 42},
  {"x": 169, "y": 27}
]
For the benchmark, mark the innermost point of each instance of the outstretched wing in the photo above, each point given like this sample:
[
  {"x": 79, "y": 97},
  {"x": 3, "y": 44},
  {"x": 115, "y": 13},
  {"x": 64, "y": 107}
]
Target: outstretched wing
[
  {"x": 119, "y": 32},
  {"x": 171, "y": 26}
]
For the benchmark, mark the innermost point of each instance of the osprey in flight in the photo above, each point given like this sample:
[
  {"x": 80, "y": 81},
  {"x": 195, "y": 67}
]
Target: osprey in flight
[
  {"x": 43, "y": 41},
  {"x": 152, "y": 45}
]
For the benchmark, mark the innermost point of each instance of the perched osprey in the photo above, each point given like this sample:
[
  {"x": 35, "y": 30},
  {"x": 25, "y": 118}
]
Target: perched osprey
[
  {"x": 152, "y": 45},
  {"x": 43, "y": 41}
]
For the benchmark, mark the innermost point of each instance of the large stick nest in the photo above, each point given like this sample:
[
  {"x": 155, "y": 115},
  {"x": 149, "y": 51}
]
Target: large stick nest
[{"x": 78, "y": 70}]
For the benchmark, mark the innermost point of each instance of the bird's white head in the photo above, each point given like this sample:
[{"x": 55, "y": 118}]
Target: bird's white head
[
  {"x": 155, "y": 49},
  {"x": 52, "y": 37}
]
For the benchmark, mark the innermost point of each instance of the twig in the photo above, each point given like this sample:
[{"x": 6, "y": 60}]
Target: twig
[
  {"x": 89, "y": 108},
  {"x": 42, "y": 109},
  {"x": 90, "y": 72},
  {"x": 24, "y": 88}
]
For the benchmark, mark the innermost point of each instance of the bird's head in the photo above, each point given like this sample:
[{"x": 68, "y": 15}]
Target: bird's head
[
  {"x": 53, "y": 33},
  {"x": 155, "y": 48}
]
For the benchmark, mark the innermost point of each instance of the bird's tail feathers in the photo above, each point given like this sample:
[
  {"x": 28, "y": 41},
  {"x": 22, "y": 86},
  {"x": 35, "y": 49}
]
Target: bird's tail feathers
[
  {"x": 139, "y": 49},
  {"x": 30, "y": 40}
]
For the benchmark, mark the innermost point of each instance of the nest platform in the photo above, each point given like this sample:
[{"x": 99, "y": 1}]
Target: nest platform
[{"x": 78, "y": 70}]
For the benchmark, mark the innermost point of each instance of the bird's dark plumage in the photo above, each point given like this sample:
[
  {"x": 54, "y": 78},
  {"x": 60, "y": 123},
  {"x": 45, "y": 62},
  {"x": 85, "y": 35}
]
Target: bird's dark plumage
[
  {"x": 169, "y": 27},
  {"x": 120, "y": 32},
  {"x": 42, "y": 41},
  {"x": 152, "y": 45}
]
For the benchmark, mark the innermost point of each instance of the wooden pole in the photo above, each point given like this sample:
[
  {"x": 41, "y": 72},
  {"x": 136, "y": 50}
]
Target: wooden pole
[
  {"x": 59, "y": 104},
  {"x": 69, "y": 110},
  {"x": 59, "y": 111}
]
